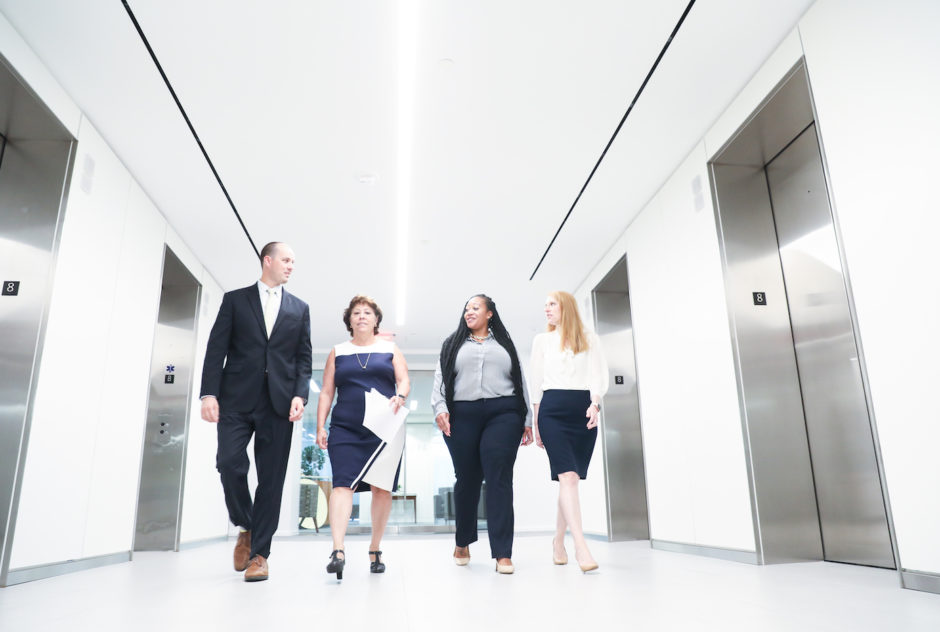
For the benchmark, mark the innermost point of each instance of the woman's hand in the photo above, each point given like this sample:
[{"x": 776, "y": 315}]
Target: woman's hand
[
  {"x": 396, "y": 402},
  {"x": 591, "y": 414},
  {"x": 443, "y": 422},
  {"x": 527, "y": 436},
  {"x": 321, "y": 438},
  {"x": 538, "y": 437}
]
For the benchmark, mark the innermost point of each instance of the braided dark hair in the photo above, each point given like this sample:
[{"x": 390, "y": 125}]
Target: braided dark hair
[{"x": 456, "y": 340}]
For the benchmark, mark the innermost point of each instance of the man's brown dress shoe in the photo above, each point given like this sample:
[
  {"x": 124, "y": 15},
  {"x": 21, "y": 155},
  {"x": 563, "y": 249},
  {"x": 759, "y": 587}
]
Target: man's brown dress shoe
[
  {"x": 242, "y": 550},
  {"x": 257, "y": 569}
]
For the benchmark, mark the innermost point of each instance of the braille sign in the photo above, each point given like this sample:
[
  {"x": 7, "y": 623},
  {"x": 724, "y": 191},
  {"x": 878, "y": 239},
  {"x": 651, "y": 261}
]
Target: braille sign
[
  {"x": 618, "y": 379},
  {"x": 11, "y": 288},
  {"x": 168, "y": 379},
  {"x": 760, "y": 298}
]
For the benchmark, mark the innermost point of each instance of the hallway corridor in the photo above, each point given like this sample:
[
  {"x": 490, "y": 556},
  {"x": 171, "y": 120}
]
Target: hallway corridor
[{"x": 637, "y": 588}]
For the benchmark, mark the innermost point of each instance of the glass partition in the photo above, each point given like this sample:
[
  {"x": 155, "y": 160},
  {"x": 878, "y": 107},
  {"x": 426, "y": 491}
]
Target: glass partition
[
  {"x": 427, "y": 479},
  {"x": 316, "y": 475}
]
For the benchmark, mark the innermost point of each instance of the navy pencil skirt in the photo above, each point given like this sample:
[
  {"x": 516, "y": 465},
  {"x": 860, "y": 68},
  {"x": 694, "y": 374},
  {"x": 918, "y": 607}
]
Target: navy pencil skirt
[{"x": 564, "y": 432}]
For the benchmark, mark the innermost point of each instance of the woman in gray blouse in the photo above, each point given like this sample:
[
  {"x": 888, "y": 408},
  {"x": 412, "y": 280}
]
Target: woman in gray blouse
[{"x": 482, "y": 407}]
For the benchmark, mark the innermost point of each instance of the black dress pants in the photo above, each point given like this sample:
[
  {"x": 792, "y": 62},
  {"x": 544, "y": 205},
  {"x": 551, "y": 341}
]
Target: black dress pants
[
  {"x": 484, "y": 438},
  {"x": 272, "y": 434}
]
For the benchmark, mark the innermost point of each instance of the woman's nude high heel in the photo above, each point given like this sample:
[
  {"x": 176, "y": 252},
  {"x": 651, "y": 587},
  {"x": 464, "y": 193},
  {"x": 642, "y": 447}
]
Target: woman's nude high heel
[
  {"x": 559, "y": 561},
  {"x": 588, "y": 567}
]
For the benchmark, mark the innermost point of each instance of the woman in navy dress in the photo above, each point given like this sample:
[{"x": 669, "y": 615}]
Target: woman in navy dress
[
  {"x": 569, "y": 377},
  {"x": 361, "y": 461}
]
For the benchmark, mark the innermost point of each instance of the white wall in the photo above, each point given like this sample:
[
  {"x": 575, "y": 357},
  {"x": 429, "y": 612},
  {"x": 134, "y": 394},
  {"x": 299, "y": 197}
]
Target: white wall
[
  {"x": 690, "y": 419},
  {"x": 80, "y": 480},
  {"x": 81, "y": 473},
  {"x": 873, "y": 71},
  {"x": 873, "y": 68},
  {"x": 204, "y": 514},
  {"x": 693, "y": 447}
]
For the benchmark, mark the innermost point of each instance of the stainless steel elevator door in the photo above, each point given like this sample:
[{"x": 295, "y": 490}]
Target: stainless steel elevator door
[
  {"x": 622, "y": 442},
  {"x": 852, "y": 512},
  {"x": 159, "y": 501},
  {"x": 36, "y": 155}
]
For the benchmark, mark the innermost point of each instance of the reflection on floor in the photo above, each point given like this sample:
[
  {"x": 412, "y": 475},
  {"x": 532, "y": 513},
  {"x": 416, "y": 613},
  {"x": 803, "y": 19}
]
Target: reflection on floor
[{"x": 636, "y": 588}]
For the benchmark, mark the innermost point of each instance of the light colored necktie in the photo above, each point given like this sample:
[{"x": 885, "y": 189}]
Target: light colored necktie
[{"x": 269, "y": 310}]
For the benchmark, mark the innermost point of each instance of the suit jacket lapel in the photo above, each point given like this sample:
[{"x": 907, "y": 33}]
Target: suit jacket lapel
[{"x": 254, "y": 300}]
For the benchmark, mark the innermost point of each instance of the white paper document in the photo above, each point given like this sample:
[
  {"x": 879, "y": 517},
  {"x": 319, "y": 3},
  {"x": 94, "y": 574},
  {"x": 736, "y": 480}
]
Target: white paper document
[
  {"x": 390, "y": 428},
  {"x": 379, "y": 417}
]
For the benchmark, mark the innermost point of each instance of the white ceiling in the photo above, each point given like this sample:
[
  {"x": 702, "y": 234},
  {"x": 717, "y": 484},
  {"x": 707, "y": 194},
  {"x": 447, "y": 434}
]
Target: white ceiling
[{"x": 295, "y": 100}]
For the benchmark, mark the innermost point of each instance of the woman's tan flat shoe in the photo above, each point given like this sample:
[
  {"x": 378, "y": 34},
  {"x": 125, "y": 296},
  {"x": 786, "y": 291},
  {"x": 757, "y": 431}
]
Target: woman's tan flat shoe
[
  {"x": 505, "y": 569},
  {"x": 461, "y": 560}
]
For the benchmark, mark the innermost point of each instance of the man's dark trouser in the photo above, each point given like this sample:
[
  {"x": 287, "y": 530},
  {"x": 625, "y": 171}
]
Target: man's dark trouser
[{"x": 273, "y": 434}]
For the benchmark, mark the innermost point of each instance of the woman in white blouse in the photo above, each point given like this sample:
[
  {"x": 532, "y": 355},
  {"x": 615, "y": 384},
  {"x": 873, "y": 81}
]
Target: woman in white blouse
[{"x": 568, "y": 378}]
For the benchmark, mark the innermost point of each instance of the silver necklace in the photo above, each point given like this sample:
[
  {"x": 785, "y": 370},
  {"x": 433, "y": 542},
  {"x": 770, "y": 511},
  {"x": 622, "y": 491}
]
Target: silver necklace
[
  {"x": 361, "y": 365},
  {"x": 481, "y": 338}
]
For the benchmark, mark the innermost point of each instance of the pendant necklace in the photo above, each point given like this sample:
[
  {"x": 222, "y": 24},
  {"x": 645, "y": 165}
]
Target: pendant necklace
[{"x": 359, "y": 360}]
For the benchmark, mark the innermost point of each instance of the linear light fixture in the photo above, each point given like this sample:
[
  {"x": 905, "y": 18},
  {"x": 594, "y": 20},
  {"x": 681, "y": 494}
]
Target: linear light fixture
[
  {"x": 189, "y": 124},
  {"x": 616, "y": 131},
  {"x": 407, "y": 60}
]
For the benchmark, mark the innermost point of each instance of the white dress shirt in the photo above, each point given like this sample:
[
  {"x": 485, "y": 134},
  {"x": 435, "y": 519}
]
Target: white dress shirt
[
  {"x": 555, "y": 368},
  {"x": 276, "y": 297}
]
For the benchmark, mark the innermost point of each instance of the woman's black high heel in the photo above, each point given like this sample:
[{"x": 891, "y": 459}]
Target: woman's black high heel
[
  {"x": 337, "y": 563},
  {"x": 377, "y": 566}
]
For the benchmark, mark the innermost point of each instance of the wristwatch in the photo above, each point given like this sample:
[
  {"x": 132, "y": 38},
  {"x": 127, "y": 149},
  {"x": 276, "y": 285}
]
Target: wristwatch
[{"x": 596, "y": 405}]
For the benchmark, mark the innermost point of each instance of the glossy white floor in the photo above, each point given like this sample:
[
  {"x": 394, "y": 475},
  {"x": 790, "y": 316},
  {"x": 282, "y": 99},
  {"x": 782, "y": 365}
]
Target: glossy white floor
[{"x": 636, "y": 589}]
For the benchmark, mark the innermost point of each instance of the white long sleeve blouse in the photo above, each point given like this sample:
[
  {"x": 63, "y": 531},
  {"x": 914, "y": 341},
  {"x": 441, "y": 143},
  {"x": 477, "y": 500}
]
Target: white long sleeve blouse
[{"x": 554, "y": 368}]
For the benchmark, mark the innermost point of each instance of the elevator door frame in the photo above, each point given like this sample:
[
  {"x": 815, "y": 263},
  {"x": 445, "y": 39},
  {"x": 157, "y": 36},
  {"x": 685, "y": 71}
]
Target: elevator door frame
[
  {"x": 159, "y": 422},
  {"x": 756, "y": 142},
  {"x": 34, "y": 142},
  {"x": 624, "y": 458}
]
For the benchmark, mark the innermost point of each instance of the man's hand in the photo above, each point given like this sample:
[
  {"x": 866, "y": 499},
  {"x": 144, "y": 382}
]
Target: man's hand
[
  {"x": 296, "y": 409},
  {"x": 210, "y": 409}
]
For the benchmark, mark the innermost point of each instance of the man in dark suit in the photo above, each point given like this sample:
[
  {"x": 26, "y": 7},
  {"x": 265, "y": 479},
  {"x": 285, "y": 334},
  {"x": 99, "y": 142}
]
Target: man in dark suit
[{"x": 262, "y": 334}]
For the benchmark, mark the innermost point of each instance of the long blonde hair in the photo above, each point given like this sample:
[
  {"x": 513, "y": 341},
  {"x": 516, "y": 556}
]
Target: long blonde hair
[{"x": 572, "y": 329}]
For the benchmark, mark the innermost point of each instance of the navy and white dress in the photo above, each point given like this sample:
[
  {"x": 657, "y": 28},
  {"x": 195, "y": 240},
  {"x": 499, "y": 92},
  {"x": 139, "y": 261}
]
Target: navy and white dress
[{"x": 358, "y": 457}]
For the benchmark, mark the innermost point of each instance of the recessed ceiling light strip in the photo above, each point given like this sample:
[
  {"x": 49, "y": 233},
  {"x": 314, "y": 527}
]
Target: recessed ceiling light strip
[
  {"x": 192, "y": 129},
  {"x": 407, "y": 77},
  {"x": 616, "y": 131}
]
